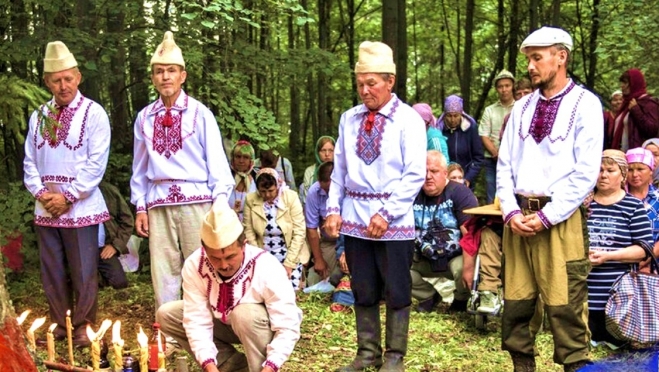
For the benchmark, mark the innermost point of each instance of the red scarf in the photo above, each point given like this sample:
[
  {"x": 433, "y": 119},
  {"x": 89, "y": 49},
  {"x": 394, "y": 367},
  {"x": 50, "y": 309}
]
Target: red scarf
[{"x": 636, "y": 90}]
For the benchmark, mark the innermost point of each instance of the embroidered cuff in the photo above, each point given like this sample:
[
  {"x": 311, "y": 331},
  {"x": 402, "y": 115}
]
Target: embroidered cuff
[
  {"x": 386, "y": 215},
  {"x": 70, "y": 197},
  {"x": 333, "y": 210},
  {"x": 271, "y": 365},
  {"x": 40, "y": 193},
  {"x": 207, "y": 362},
  {"x": 140, "y": 209},
  {"x": 510, "y": 215},
  {"x": 544, "y": 220}
]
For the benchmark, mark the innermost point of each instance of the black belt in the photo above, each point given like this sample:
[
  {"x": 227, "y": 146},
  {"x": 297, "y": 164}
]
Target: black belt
[{"x": 532, "y": 203}]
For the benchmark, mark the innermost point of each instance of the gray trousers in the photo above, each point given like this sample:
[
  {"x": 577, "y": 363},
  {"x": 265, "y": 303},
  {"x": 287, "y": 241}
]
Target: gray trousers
[
  {"x": 69, "y": 273},
  {"x": 422, "y": 290},
  {"x": 250, "y": 326}
]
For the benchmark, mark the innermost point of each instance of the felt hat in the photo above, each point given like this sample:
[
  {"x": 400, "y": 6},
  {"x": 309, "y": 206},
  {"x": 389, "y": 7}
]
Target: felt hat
[
  {"x": 493, "y": 209},
  {"x": 168, "y": 53},
  {"x": 640, "y": 155},
  {"x": 547, "y": 36},
  {"x": 58, "y": 58},
  {"x": 375, "y": 57},
  {"x": 221, "y": 226},
  {"x": 504, "y": 74}
]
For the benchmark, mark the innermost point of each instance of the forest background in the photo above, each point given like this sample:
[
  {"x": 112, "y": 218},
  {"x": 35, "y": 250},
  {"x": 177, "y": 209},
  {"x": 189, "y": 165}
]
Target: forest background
[{"x": 279, "y": 73}]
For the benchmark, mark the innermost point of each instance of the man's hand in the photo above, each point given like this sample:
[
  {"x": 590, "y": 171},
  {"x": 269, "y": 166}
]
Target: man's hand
[
  {"x": 320, "y": 267},
  {"x": 377, "y": 227},
  {"x": 468, "y": 267},
  {"x": 632, "y": 102},
  {"x": 108, "y": 251},
  {"x": 519, "y": 227},
  {"x": 533, "y": 221},
  {"x": 333, "y": 225},
  {"x": 142, "y": 224},
  {"x": 343, "y": 264},
  {"x": 56, "y": 204},
  {"x": 211, "y": 367},
  {"x": 267, "y": 369}
]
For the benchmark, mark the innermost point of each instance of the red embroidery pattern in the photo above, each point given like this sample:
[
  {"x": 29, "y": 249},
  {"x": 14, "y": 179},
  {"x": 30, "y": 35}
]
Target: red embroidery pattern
[
  {"x": 72, "y": 222},
  {"x": 367, "y": 195},
  {"x": 176, "y": 196},
  {"x": 333, "y": 210},
  {"x": 63, "y": 131},
  {"x": 167, "y": 140},
  {"x": 70, "y": 196},
  {"x": 392, "y": 233},
  {"x": 207, "y": 362},
  {"x": 369, "y": 140},
  {"x": 386, "y": 215},
  {"x": 140, "y": 209},
  {"x": 41, "y": 192},
  {"x": 544, "y": 116},
  {"x": 271, "y": 365},
  {"x": 225, "y": 301},
  {"x": 57, "y": 178}
]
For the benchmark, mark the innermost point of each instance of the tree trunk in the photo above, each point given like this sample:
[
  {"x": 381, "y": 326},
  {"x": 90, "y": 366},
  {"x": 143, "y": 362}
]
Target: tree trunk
[
  {"x": 137, "y": 65},
  {"x": 401, "y": 53},
  {"x": 90, "y": 85},
  {"x": 533, "y": 14},
  {"x": 14, "y": 356},
  {"x": 312, "y": 115},
  {"x": 498, "y": 65},
  {"x": 592, "y": 46},
  {"x": 294, "y": 99},
  {"x": 465, "y": 84},
  {"x": 324, "y": 10},
  {"x": 121, "y": 124},
  {"x": 556, "y": 13},
  {"x": 513, "y": 36}
]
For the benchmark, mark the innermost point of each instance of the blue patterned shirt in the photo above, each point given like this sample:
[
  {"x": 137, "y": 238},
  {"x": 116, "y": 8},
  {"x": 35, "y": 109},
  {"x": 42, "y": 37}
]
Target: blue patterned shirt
[{"x": 651, "y": 203}]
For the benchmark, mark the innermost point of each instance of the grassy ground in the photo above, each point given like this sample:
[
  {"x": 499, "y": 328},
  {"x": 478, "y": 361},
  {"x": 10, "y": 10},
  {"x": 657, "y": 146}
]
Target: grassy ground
[{"x": 438, "y": 341}]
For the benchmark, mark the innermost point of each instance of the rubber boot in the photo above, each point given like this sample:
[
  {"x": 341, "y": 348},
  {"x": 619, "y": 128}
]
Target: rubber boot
[
  {"x": 523, "y": 362},
  {"x": 398, "y": 322},
  {"x": 369, "y": 350},
  {"x": 574, "y": 367}
]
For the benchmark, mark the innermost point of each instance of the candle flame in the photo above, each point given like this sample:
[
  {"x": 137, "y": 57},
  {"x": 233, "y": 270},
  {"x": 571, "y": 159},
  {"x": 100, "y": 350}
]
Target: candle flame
[
  {"x": 116, "y": 333},
  {"x": 52, "y": 327},
  {"x": 37, "y": 323},
  {"x": 107, "y": 323},
  {"x": 22, "y": 317},
  {"x": 90, "y": 333},
  {"x": 68, "y": 313},
  {"x": 142, "y": 339}
]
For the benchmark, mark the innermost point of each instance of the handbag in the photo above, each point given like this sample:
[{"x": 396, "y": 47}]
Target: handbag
[{"x": 632, "y": 311}]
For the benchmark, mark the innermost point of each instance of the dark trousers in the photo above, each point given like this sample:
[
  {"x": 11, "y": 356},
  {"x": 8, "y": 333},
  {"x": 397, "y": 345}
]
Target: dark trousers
[
  {"x": 69, "y": 272},
  {"x": 380, "y": 268},
  {"x": 112, "y": 272}
]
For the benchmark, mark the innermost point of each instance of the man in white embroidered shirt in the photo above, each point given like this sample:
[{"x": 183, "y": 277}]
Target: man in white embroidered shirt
[
  {"x": 179, "y": 170},
  {"x": 379, "y": 169},
  {"x": 548, "y": 162},
  {"x": 233, "y": 293},
  {"x": 66, "y": 152}
]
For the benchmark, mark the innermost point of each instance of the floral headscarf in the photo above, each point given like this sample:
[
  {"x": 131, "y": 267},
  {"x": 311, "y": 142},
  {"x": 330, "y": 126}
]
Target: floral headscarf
[
  {"x": 453, "y": 103},
  {"x": 281, "y": 185},
  {"x": 243, "y": 147}
]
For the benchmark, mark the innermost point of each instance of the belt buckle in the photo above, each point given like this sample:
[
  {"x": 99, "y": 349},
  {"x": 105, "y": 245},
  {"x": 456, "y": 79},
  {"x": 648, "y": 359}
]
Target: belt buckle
[{"x": 533, "y": 204}]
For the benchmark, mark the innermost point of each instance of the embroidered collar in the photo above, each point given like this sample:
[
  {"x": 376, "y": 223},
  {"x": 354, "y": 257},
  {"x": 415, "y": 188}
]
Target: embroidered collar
[
  {"x": 180, "y": 105},
  {"x": 387, "y": 110},
  {"x": 568, "y": 87},
  {"x": 77, "y": 100}
]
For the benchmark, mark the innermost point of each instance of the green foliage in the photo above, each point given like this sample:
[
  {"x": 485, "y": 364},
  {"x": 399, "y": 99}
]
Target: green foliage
[
  {"x": 19, "y": 97},
  {"x": 16, "y": 214}
]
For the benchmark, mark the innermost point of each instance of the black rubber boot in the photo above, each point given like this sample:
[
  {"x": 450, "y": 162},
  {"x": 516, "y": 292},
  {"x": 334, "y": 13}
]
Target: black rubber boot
[
  {"x": 398, "y": 322},
  {"x": 369, "y": 350},
  {"x": 523, "y": 362}
]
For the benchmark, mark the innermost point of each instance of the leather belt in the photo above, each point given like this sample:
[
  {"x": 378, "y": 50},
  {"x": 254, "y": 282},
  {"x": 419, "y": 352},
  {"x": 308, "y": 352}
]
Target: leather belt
[{"x": 532, "y": 203}]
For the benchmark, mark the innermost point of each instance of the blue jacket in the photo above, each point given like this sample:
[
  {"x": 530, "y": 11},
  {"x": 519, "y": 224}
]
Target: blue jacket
[{"x": 465, "y": 146}]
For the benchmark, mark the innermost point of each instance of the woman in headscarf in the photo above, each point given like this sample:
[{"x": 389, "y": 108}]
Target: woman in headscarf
[
  {"x": 242, "y": 167},
  {"x": 464, "y": 144},
  {"x": 616, "y": 225},
  {"x": 652, "y": 145},
  {"x": 639, "y": 184},
  {"x": 435, "y": 138},
  {"x": 273, "y": 220},
  {"x": 324, "y": 153},
  {"x": 638, "y": 118}
]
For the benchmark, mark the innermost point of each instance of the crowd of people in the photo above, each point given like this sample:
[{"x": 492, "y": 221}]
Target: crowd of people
[{"x": 231, "y": 239}]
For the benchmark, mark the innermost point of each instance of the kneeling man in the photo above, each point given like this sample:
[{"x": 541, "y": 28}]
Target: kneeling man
[{"x": 233, "y": 293}]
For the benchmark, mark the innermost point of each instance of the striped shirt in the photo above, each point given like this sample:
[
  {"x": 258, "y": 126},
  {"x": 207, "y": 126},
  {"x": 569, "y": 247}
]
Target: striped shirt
[{"x": 613, "y": 227}]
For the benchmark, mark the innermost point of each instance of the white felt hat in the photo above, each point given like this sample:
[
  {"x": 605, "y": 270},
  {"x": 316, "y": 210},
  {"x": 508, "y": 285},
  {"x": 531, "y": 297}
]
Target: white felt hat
[
  {"x": 221, "y": 227},
  {"x": 58, "y": 58},
  {"x": 547, "y": 36},
  {"x": 375, "y": 57},
  {"x": 168, "y": 53}
]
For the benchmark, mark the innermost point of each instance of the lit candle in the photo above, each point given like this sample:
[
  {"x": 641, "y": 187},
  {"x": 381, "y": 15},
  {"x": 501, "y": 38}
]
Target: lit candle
[
  {"x": 69, "y": 336},
  {"x": 30, "y": 332},
  {"x": 143, "y": 341},
  {"x": 96, "y": 349},
  {"x": 118, "y": 346},
  {"x": 161, "y": 354},
  {"x": 50, "y": 342},
  {"x": 22, "y": 317}
]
